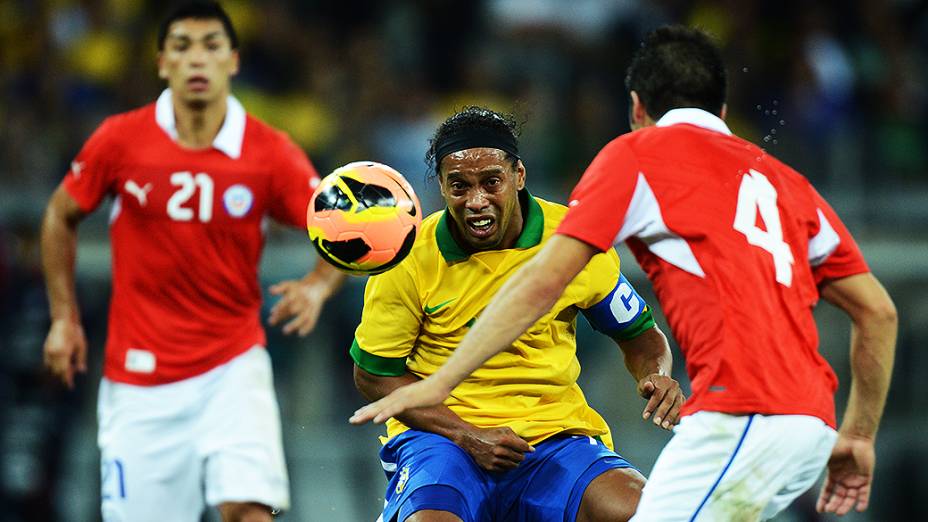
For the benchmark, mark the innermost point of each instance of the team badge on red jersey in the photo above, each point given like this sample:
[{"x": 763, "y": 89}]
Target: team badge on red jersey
[{"x": 238, "y": 200}]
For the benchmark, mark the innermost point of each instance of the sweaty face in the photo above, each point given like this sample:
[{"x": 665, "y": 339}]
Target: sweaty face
[
  {"x": 197, "y": 60},
  {"x": 481, "y": 189}
]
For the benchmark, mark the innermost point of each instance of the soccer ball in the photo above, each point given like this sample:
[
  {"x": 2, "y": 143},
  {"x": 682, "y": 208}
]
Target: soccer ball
[{"x": 363, "y": 218}]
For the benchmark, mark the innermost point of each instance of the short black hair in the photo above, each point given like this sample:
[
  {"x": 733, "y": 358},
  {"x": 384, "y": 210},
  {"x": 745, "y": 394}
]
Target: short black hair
[
  {"x": 472, "y": 117},
  {"x": 677, "y": 66},
  {"x": 198, "y": 10}
]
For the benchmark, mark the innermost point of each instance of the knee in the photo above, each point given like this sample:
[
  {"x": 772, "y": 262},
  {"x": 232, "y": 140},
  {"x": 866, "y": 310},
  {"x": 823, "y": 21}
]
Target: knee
[
  {"x": 621, "y": 511},
  {"x": 245, "y": 512},
  {"x": 612, "y": 497}
]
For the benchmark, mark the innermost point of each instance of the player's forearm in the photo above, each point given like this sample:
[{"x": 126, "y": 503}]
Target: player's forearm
[
  {"x": 873, "y": 344},
  {"x": 873, "y": 341},
  {"x": 647, "y": 354},
  {"x": 59, "y": 251},
  {"x": 331, "y": 278},
  {"x": 437, "y": 419}
]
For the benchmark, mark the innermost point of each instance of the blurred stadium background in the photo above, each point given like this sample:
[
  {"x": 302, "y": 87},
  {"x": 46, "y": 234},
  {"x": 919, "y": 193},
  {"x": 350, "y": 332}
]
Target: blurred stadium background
[{"x": 836, "y": 89}]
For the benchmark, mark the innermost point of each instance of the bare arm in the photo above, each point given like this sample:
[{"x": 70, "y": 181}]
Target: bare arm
[
  {"x": 524, "y": 299},
  {"x": 873, "y": 341},
  {"x": 302, "y": 300},
  {"x": 494, "y": 449},
  {"x": 649, "y": 361},
  {"x": 65, "y": 350}
]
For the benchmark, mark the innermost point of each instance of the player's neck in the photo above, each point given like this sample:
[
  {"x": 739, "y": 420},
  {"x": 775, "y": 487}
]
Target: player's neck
[{"x": 198, "y": 125}]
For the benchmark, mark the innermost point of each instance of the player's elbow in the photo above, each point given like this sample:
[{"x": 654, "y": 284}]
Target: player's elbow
[
  {"x": 881, "y": 313},
  {"x": 363, "y": 382}
]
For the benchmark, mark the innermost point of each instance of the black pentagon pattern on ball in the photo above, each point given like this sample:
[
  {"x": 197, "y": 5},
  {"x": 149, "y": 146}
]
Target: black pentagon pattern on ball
[
  {"x": 332, "y": 198},
  {"x": 347, "y": 251},
  {"x": 369, "y": 195},
  {"x": 400, "y": 254}
]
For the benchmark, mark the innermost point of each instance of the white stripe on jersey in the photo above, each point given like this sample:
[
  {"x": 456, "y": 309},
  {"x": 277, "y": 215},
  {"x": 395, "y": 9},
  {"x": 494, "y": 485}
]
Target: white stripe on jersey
[
  {"x": 824, "y": 243},
  {"x": 644, "y": 220}
]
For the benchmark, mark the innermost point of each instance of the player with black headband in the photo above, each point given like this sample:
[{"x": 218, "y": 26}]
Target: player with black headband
[{"x": 516, "y": 440}]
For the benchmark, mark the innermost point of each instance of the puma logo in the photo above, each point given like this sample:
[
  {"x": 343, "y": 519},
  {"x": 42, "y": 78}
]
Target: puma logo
[
  {"x": 76, "y": 168},
  {"x": 140, "y": 193}
]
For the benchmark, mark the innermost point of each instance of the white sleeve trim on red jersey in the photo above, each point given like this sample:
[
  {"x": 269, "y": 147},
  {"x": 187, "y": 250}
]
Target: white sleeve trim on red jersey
[
  {"x": 824, "y": 243},
  {"x": 643, "y": 220}
]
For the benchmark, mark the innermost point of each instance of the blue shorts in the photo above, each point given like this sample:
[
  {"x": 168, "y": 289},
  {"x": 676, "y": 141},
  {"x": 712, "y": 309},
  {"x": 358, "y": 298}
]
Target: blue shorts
[{"x": 428, "y": 471}]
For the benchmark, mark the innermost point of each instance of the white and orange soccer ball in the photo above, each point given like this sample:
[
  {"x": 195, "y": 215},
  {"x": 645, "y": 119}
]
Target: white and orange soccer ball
[{"x": 363, "y": 218}]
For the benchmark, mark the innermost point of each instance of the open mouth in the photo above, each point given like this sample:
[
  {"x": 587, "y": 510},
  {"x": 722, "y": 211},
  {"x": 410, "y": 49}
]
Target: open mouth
[
  {"x": 198, "y": 83},
  {"x": 481, "y": 226}
]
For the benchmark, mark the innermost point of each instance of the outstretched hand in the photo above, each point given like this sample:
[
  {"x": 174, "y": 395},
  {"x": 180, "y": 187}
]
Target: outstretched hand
[
  {"x": 302, "y": 301},
  {"x": 427, "y": 392},
  {"x": 850, "y": 474},
  {"x": 665, "y": 399}
]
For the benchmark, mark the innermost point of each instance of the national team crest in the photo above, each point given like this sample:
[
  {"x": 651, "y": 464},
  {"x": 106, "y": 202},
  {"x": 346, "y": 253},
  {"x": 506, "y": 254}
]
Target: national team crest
[
  {"x": 404, "y": 478},
  {"x": 238, "y": 200}
]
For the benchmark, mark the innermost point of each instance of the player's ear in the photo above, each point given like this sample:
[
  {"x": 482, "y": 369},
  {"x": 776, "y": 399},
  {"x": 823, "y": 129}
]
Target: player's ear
[
  {"x": 638, "y": 115},
  {"x": 441, "y": 184},
  {"x": 235, "y": 63},
  {"x": 162, "y": 72},
  {"x": 520, "y": 175}
]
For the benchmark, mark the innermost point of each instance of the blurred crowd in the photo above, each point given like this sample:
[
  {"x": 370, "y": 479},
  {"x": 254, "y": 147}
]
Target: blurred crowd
[{"x": 838, "y": 90}]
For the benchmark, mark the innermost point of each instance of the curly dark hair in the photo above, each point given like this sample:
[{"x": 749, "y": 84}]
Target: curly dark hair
[
  {"x": 472, "y": 116},
  {"x": 678, "y": 66}
]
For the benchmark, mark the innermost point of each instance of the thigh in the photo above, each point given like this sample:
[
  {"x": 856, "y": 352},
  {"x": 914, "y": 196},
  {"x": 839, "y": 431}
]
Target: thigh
[
  {"x": 240, "y": 435},
  {"x": 149, "y": 467},
  {"x": 427, "y": 472},
  {"x": 812, "y": 443},
  {"x": 552, "y": 482},
  {"x": 695, "y": 469},
  {"x": 724, "y": 467}
]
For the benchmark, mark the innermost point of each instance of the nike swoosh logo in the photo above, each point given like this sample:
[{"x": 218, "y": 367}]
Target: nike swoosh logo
[{"x": 432, "y": 309}]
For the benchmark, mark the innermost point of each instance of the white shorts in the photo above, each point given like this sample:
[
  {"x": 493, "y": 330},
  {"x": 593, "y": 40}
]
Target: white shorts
[
  {"x": 169, "y": 450},
  {"x": 735, "y": 467}
]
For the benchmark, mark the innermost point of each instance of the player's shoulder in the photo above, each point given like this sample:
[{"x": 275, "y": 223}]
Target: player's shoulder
[
  {"x": 425, "y": 251},
  {"x": 260, "y": 131},
  {"x": 128, "y": 123},
  {"x": 553, "y": 212}
]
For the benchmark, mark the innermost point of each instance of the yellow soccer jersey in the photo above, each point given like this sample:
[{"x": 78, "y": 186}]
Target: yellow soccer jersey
[{"x": 417, "y": 313}]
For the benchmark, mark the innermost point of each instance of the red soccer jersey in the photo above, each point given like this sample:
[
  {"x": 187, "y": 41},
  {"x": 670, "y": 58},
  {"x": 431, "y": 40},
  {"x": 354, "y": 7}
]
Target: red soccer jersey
[
  {"x": 735, "y": 244},
  {"x": 187, "y": 234}
]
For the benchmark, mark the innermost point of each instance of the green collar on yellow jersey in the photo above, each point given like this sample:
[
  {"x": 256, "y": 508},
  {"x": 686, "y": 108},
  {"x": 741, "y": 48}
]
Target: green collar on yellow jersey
[{"x": 532, "y": 229}]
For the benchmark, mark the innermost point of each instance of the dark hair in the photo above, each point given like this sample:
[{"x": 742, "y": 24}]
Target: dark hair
[
  {"x": 473, "y": 119},
  {"x": 199, "y": 10},
  {"x": 677, "y": 66}
]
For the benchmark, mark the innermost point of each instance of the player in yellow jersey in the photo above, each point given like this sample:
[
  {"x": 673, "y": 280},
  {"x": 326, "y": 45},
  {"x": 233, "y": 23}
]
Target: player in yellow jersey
[{"x": 516, "y": 440}]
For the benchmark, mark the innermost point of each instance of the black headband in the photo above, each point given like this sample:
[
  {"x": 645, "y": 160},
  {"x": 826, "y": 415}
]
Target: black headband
[{"x": 472, "y": 138}]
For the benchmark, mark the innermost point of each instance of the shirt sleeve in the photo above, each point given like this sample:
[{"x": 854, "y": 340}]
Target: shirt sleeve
[
  {"x": 295, "y": 178},
  {"x": 598, "y": 204},
  {"x": 833, "y": 253},
  {"x": 614, "y": 307},
  {"x": 390, "y": 323},
  {"x": 90, "y": 177}
]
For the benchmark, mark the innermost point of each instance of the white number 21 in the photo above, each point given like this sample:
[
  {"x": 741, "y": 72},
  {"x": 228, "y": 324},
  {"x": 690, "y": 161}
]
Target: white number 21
[
  {"x": 756, "y": 194},
  {"x": 188, "y": 183}
]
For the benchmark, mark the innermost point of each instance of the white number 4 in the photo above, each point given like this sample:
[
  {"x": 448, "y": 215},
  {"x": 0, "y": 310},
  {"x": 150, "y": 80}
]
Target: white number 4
[
  {"x": 757, "y": 194},
  {"x": 188, "y": 183}
]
